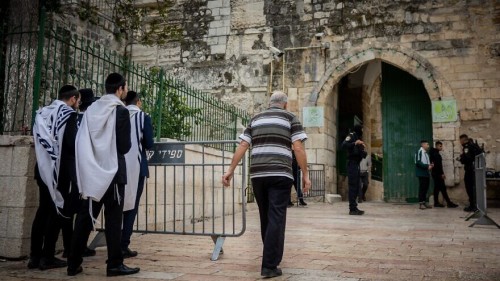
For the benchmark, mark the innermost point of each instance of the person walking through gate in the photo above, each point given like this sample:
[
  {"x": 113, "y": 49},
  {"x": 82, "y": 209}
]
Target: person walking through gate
[
  {"x": 101, "y": 143},
  {"x": 271, "y": 134},
  {"x": 54, "y": 133},
  {"x": 423, "y": 166},
  {"x": 469, "y": 152},
  {"x": 355, "y": 152},
  {"x": 438, "y": 176},
  {"x": 137, "y": 166},
  {"x": 364, "y": 168}
]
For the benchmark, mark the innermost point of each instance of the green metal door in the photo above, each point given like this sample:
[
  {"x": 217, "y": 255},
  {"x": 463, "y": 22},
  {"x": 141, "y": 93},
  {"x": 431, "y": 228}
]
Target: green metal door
[{"x": 406, "y": 119}]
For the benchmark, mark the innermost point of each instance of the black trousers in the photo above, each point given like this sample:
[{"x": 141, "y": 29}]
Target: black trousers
[
  {"x": 297, "y": 180},
  {"x": 272, "y": 195},
  {"x": 469, "y": 180},
  {"x": 439, "y": 186},
  {"x": 353, "y": 182},
  {"x": 113, "y": 209},
  {"x": 129, "y": 216},
  {"x": 423, "y": 188},
  {"x": 46, "y": 225}
]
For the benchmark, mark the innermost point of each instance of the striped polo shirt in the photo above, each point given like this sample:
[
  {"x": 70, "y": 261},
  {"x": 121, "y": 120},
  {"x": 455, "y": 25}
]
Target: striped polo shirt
[{"x": 271, "y": 134}]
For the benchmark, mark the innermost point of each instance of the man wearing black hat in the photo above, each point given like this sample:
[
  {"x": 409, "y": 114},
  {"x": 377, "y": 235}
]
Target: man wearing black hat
[
  {"x": 137, "y": 171},
  {"x": 87, "y": 98},
  {"x": 355, "y": 152}
]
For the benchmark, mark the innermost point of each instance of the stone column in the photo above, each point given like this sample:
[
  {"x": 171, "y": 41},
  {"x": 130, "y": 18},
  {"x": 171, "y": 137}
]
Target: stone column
[{"x": 18, "y": 194}]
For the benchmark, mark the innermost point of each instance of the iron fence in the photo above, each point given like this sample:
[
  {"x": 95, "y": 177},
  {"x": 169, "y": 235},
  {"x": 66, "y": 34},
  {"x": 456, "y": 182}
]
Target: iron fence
[
  {"x": 37, "y": 60},
  {"x": 184, "y": 194}
]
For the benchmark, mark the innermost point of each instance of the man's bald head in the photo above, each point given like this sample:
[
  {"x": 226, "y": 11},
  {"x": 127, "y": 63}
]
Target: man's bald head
[{"x": 278, "y": 99}]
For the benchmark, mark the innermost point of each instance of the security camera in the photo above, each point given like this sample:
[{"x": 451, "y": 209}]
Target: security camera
[
  {"x": 276, "y": 52},
  {"x": 319, "y": 36}
]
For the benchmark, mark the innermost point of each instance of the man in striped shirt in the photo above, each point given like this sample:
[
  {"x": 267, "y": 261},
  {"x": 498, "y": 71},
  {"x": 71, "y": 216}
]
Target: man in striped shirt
[{"x": 271, "y": 134}]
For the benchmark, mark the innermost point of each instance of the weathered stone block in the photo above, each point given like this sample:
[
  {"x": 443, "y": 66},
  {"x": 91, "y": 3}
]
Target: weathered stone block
[
  {"x": 5, "y": 164},
  {"x": 444, "y": 134},
  {"x": 214, "y": 4}
]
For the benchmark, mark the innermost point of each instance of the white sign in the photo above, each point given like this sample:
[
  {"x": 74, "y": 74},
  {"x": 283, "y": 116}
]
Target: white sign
[{"x": 313, "y": 116}]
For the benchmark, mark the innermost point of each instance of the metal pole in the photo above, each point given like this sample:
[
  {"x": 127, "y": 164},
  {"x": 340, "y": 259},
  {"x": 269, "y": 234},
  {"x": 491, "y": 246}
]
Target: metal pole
[
  {"x": 159, "y": 101},
  {"x": 38, "y": 64}
]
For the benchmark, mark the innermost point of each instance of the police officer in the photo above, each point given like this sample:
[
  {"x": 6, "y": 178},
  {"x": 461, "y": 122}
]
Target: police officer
[
  {"x": 355, "y": 152},
  {"x": 469, "y": 152}
]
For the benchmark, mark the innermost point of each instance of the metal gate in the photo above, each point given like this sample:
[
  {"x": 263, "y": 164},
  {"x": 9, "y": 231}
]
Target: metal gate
[
  {"x": 184, "y": 193},
  {"x": 407, "y": 119}
]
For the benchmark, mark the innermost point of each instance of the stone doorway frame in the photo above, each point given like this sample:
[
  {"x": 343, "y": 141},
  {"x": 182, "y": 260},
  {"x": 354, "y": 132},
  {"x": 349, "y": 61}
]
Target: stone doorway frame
[{"x": 325, "y": 90}]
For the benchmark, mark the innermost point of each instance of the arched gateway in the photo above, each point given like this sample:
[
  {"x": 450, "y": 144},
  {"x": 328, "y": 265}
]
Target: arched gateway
[{"x": 390, "y": 89}]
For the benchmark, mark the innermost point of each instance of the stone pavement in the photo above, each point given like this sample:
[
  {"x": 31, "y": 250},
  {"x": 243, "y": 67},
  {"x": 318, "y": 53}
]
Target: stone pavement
[{"x": 390, "y": 242}]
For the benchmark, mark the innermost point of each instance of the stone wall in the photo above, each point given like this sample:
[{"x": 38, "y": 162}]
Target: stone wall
[{"x": 452, "y": 46}]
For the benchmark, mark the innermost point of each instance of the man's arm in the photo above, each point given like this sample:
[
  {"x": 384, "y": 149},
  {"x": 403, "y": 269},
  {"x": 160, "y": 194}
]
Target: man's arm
[
  {"x": 147, "y": 138},
  {"x": 300, "y": 155},
  {"x": 123, "y": 142},
  {"x": 238, "y": 155}
]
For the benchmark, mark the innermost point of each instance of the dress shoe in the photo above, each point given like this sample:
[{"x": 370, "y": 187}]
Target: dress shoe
[
  {"x": 470, "y": 209},
  {"x": 88, "y": 252},
  {"x": 360, "y": 201},
  {"x": 302, "y": 202},
  {"x": 290, "y": 204},
  {"x": 438, "y": 205},
  {"x": 127, "y": 253},
  {"x": 53, "y": 262},
  {"x": 74, "y": 271},
  {"x": 356, "y": 212},
  {"x": 34, "y": 262},
  {"x": 451, "y": 205},
  {"x": 121, "y": 270},
  {"x": 270, "y": 273}
]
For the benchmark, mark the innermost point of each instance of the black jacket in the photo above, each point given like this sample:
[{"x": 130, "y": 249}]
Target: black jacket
[
  {"x": 354, "y": 152},
  {"x": 469, "y": 152},
  {"x": 437, "y": 160},
  {"x": 123, "y": 143}
]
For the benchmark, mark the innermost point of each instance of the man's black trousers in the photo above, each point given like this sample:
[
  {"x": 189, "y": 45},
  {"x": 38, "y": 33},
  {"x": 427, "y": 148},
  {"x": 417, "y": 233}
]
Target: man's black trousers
[
  {"x": 272, "y": 195},
  {"x": 469, "y": 180},
  {"x": 113, "y": 210},
  {"x": 423, "y": 187},
  {"x": 353, "y": 182},
  {"x": 439, "y": 186}
]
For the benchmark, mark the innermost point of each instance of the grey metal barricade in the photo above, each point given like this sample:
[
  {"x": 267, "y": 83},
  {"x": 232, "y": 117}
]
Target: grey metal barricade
[
  {"x": 480, "y": 186},
  {"x": 184, "y": 194}
]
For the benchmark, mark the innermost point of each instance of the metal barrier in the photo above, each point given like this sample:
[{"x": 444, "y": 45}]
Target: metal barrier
[
  {"x": 184, "y": 193},
  {"x": 480, "y": 187},
  {"x": 317, "y": 177}
]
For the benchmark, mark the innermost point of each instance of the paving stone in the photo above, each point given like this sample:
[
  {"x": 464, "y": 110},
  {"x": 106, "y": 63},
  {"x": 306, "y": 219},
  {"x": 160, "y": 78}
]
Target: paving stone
[{"x": 390, "y": 242}]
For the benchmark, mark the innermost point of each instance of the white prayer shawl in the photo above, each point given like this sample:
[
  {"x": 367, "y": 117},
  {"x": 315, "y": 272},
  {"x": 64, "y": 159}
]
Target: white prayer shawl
[
  {"x": 133, "y": 157},
  {"x": 95, "y": 151},
  {"x": 48, "y": 132}
]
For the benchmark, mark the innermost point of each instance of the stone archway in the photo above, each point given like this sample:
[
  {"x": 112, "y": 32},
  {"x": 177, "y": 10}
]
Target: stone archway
[{"x": 324, "y": 94}]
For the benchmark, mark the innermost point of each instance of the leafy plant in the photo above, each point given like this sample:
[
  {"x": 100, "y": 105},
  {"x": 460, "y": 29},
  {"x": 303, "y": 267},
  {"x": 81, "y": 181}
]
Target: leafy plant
[{"x": 167, "y": 106}]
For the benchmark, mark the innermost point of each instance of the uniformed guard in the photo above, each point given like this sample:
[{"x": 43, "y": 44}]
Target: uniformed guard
[
  {"x": 355, "y": 152},
  {"x": 469, "y": 152}
]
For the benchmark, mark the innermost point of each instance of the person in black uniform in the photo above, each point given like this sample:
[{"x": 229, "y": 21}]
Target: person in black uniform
[
  {"x": 438, "y": 176},
  {"x": 469, "y": 152},
  {"x": 355, "y": 152}
]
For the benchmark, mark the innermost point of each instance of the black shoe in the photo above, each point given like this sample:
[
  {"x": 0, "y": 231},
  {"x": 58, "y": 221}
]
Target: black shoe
[
  {"x": 127, "y": 253},
  {"x": 356, "y": 212},
  {"x": 34, "y": 262},
  {"x": 53, "y": 262},
  {"x": 438, "y": 205},
  {"x": 360, "y": 201},
  {"x": 74, "y": 271},
  {"x": 470, "y": 209},
  {"x": 65, "y": 254},
  {"x": 302, "y": 202},
  {"x": 88, "y": 252},
  {"x": 451, "y": 205},
  {"x": 270, "y": 273},
  {"x": 290, "y": 204},
  {"x": 121, "y": 270}
]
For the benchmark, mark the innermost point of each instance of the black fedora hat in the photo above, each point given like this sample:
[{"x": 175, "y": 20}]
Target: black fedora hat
[{"x": 87, "y": 98}]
